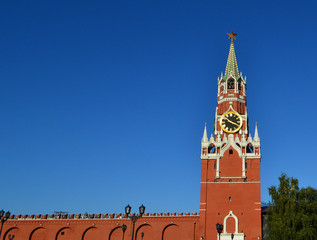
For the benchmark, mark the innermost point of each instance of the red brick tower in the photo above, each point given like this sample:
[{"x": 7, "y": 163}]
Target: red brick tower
[{"x": 230, "y": 164}]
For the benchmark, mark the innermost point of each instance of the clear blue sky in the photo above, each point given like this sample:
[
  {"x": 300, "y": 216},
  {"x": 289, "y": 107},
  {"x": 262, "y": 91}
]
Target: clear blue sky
[{"x": 103, "y": 103}]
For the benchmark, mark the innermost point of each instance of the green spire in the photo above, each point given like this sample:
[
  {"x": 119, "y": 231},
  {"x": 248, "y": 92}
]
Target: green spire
[{"x": 232, "y": 65}]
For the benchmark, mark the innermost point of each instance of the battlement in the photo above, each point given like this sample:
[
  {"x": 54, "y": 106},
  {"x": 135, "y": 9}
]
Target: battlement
[{"x": 93, "y": 216}]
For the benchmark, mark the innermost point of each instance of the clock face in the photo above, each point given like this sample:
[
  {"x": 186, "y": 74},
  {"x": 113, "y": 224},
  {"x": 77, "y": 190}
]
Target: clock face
[{"x": 231, "y": 122}]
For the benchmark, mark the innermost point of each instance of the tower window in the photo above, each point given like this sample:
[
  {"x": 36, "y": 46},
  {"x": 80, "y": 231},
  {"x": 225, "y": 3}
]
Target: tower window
[
  {"x": 229, "y": 199},
  {"x": 239, "y": 85},
  {"x": 211, "y": 149},
  {"x": 245, "y": 180},
  {"x": 230, "y": 180},
  {"x": 230, "y": 83},
  {"x": 246, "y": 165},
  {"x": 230, "y": 151},
  {"x": 216, "y": 180},
  {"x": 215, "y": 166},
  {"x": 250, "y": 148}
]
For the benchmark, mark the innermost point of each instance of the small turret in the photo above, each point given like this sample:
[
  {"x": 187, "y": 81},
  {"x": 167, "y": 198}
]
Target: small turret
[
  {"x": 204, "y": 142},
  {"x": 211, "y": 139},
  {"x": 256, "y": 134},
  {"x": 250, "y": 138},
  {"x": 205, "y": 138}
]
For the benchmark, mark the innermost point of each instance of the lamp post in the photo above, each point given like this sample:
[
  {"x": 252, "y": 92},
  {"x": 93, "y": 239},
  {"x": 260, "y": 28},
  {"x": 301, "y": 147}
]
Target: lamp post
[
  {"x": 232, "y": 236},
  {"x": 4, "y": 217},
  {"x": 219, "y": 229},
  {"x": 134, "y": 218},
  {"x": 11, "y": 236},
  {"x": 142, "y": 235},
  {"x": 124, "y": 227}
]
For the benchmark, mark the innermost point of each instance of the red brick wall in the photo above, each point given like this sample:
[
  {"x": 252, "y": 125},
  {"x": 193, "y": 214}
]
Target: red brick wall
[{"x": 154, "y": 228}]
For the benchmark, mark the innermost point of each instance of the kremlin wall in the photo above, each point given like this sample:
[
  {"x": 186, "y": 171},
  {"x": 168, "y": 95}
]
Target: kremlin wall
[{"x": 101, "y": 226}]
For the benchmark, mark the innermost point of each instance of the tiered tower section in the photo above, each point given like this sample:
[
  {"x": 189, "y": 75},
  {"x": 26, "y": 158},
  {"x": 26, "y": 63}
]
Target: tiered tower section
[{"x": 230, "y": 164}]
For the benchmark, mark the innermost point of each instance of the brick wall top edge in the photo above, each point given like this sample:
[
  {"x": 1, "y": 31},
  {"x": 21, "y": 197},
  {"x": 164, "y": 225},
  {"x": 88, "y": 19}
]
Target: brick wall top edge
[{"x": 94, "y": 216}]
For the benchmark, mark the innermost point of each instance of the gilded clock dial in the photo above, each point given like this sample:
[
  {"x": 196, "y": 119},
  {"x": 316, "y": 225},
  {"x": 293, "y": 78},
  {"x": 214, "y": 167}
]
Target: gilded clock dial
[{"x": 231, "y": 122}]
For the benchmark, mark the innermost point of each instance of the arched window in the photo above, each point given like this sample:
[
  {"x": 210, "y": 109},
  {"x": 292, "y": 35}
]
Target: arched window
[
  {"x": 230, "y": 83},
  {"x": 211, "y": 148},
  {"x": 250, "y": 148}
]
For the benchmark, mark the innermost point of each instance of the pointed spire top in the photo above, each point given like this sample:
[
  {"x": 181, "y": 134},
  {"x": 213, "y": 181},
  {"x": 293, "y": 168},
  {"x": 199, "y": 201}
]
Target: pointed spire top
[
  {"x": 232, "y": 65},
  {"x": 250, "y": 137},
  {"x": 211, "y": 138},
  {"x": 256, "y": 134},
  {"x": 205, "y": 138}
]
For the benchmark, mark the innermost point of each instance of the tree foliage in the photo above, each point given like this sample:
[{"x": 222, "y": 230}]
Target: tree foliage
[{"x": 293, "y": 211}]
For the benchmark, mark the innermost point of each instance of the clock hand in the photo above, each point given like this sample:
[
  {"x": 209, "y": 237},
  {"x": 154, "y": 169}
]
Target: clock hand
[{"x": 232, "y": 122}]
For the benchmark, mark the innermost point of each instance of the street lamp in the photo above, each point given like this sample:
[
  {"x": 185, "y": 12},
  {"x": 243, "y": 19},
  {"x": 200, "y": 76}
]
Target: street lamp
[
  {"x": 4, "y": 217},
  {"x": 11, "y": 236},
  {"x": 142, "y": 235},
  {"x": 232, "y": 236},
  {"x": 134, "y": 218},
  {"x": 219, "y": 228},
  {"x": 124, "y": 227}
]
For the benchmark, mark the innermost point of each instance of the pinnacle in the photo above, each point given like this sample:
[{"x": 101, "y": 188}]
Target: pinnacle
[
  {"x": 256, "y": 134},
  {"x": 205, "y": 138}
]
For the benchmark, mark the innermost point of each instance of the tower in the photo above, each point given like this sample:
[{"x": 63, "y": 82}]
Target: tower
[{"x": 230, "y": 164}]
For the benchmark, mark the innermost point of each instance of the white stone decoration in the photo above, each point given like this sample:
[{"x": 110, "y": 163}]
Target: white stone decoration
[{"x": 227, "y": 236}]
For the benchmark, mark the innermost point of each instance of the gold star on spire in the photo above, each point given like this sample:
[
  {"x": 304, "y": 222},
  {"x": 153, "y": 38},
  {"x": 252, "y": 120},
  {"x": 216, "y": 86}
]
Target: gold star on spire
[{"x": 232, "y": 35}]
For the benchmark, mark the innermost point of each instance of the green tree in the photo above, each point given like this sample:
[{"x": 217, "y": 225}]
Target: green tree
[{"x": 293, "y": 211}]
